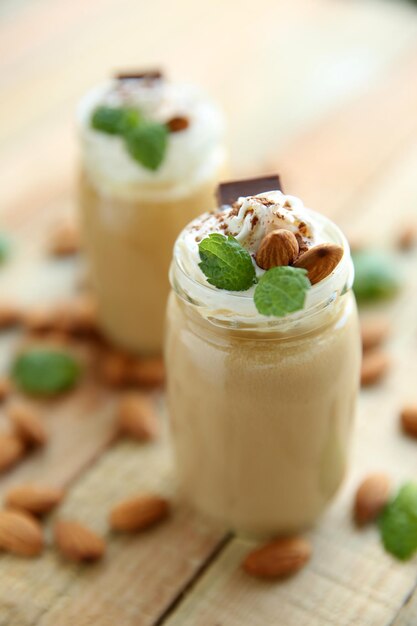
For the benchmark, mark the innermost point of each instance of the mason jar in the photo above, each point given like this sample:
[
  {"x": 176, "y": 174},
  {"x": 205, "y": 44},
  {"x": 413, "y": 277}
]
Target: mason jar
[
  {"x": 261, "y": 408},
  {"x": 131, "y": 215}
]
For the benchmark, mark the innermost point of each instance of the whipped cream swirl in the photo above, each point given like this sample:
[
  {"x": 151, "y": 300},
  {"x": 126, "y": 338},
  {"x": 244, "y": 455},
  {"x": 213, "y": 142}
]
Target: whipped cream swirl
[
  {"x": 249, "y": 220},
  {"x": 193, "y": 156}
]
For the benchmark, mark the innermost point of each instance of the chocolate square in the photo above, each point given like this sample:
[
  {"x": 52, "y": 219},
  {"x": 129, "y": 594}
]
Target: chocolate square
[
  {"x": 148, "y": 75},
  {"x": 228, "y": 193}
]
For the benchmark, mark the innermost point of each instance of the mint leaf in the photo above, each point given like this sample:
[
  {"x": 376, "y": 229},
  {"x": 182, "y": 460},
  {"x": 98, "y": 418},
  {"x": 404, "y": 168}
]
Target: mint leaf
[
  {"x": 377, "y": 276},
  {"x": 4, "y": 248},
  {"x": 115, "y": 120},
  {"x": 147, "y": 144},
  {"x": 225, "y": 263},
  {"x": 45, "y": 372},
  {"x": 398, "y": 523},
  {"x": 281, "y": 290}
]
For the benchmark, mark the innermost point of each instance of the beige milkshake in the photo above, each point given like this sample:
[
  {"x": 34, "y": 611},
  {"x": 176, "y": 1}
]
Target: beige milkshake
[
  {"x": 261, "y": 403},
  {"x": 152, "y": 153}
]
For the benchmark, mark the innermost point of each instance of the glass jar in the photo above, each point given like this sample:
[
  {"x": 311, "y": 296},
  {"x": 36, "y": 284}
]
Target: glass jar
[
  {"x": 129, "y": 246},
  {"x": 261, "y": 408},
  {"x": 131, "y": 216}
]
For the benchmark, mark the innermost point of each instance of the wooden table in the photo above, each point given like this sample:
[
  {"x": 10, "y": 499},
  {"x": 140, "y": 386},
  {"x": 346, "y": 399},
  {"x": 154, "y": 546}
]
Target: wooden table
[{"x": 325, "y": 92}]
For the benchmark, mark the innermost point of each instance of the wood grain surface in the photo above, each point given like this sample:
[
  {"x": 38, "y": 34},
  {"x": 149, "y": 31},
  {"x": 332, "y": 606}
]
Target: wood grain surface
[{"x": 323, "y": 91}]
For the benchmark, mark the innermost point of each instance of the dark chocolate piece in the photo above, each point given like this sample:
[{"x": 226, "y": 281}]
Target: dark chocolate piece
[
  {"x": 148, "y": 75},
  {"x": 228, "y": 193}
]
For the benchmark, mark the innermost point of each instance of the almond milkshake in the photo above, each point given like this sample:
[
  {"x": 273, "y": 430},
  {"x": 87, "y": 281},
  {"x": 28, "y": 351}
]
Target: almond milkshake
[
  {"x": 263, "y": 358},
  {"x": 151, "y": 155}
]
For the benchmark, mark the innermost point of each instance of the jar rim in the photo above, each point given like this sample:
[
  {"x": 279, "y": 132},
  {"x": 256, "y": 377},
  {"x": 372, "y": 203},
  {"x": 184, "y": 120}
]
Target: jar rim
[{"x": 319, "y": 296}]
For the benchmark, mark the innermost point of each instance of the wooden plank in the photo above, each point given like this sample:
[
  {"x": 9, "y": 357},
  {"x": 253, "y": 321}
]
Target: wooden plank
[
  {"x": 350, "y": 579},
  {"x": 140, "y": 574},
  {"x": 408, "y": 614},
  {"x": 147, "y": 573},
  {"x": 48, "y": 76},
  {"x": 326, "y": 164}
]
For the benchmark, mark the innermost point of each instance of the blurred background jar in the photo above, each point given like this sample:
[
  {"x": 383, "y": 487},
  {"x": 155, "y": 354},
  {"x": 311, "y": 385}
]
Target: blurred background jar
[{"x": 152, "y": 153}]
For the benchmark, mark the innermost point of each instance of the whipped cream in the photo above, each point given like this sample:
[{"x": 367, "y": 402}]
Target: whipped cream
[
  {"x": 193, "y": 155},
  {"x": 248, "y": 221}
]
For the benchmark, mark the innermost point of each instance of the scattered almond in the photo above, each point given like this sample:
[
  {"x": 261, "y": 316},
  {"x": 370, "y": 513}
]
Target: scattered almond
[
  {"x": 148, "y": 372},
  {"x": 115, "y": 369},
  {"x": 407, "y": 237},
  {"x": 79, "y": 317},
  {"x": 65, "y": 240},
  {"x": 375, "y": 364},
  {"x": 9, "y": 315},
  {"x": 20, "y": 533},
  {"x": 374, "y": 331},
  {"x": 371, "y": 497},
  {"x": 320, "y": 261},
  {"x": 5, "y": 387},
  {"x": 139, "y": 513},
  {"x": 279, "y": 558},
  {"x": 77, "y": 542},
  {"x": 28, "y": 424},
  {"x": 42, "y": 319},
  {"x": 409, "y": 419},
  {"x": 34, "y": 498},
  {"x": 137, "y": 416},
  {"x": 176, "y": 124},
  {"x": 279, "y": 247},
  {"x": 12, "y": 450}
]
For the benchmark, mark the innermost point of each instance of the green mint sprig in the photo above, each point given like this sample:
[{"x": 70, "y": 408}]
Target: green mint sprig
[
  {"x": 145, "y": 141},
  {"x": 398, "y": 523},
  {"x": 281, "y": 290},
  {"x": 115, "y": 120},
  {"x": 45, "y": 372},
  {"x": 227, "y": 265},
  {"x": 4, "y": 248},
  {"x": 377, "y": 276},
  {"x": 147, "y": 144}
]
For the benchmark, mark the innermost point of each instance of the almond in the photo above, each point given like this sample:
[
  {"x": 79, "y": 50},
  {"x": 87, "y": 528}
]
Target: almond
[
  {"x": 77, "y": 542},
  {"x": 65, "y": 240},
  {"x": 20, "y": 533},
  {"x": 375, "y": 364},
  {"x": 28, "y": 424},
  {"x": 374, "y": 331},
  {"x": 9, "y": 315},
  {"x": 137, "y": 417},
  {"x": 372, "y": 495},
  {"x": 279, "y": 247},
  {"x": 409, "y": 419},
  {"x": 320, "y": 261},
  {"x": 5, "y": 387},
  {"x": 407, "y": 237},
  {"x": 139, "y": 513},
  {"x": 278, "y": 558},
  {"x": 41, "y": 319},
  {"x": 176, "y": 124},
  {"x": 148, "y": 372},
  {"x": 34, "y": 498},
  {"x": 80, "y": 317},
  {"x": 115, "y": 369},
  {"x": 11, "y": 450}
]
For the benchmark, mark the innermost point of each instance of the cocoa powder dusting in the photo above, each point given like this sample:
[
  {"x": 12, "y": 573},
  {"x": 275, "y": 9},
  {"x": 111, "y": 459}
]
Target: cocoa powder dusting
[{"x": 302, "y": 244}]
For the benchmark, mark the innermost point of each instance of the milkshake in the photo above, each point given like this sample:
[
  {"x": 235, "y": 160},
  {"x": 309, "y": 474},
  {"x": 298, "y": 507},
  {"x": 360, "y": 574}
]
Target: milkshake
[
  {"x": 151, "y": 155},
  {"x": 263, "y": 357}
]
